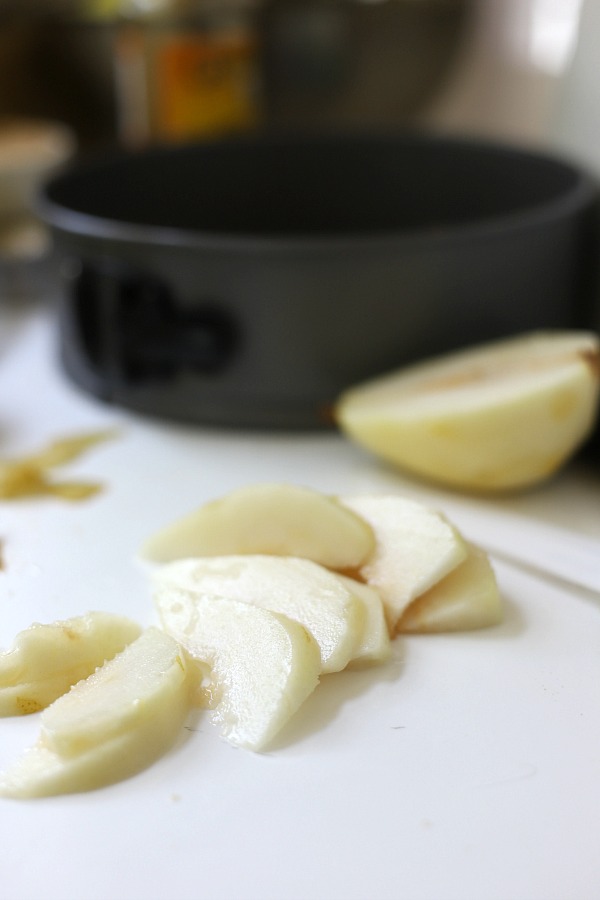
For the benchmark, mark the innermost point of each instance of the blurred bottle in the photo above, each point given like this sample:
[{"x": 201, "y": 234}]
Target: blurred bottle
[{"x": 184, "y": 68}]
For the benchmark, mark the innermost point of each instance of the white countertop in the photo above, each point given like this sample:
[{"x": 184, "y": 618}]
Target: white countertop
[{"x": 466, "y": 769}]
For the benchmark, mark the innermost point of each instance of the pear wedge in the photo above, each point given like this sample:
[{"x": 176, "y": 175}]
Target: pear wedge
[
  {"x": 302, "y": 590},
  {"x": 374, "y": 647},
  {"x": 415, "y": 548},
  {"x": 466, "y": 599},
  {"x": 501, "y": 416},
  {"x": 271, "y": 519},
  {"x": 110, "y": 726},
  {"x": 260, "y": 665},
  {"x": 46, "y": 660}
]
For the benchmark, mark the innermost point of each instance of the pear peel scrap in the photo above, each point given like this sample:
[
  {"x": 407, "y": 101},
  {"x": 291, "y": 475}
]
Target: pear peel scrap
[{"x": 28, "y": 476}]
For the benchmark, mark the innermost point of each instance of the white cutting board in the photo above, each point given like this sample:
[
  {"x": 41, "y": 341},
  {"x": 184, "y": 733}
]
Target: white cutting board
[{"x": 466, "y": 769}]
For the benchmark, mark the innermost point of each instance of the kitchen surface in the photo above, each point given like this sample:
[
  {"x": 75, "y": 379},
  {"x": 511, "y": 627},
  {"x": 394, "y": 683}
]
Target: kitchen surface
[{"x": 464, "y": 767}]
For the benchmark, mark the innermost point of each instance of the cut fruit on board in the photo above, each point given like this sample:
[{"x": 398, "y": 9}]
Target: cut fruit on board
[
  {"x": 260, "y": 666},
  {"x": 415, "y": 548},
  {"x": 331, "y": 608},
  {"x": 272, "y": 519},
  {"x": 500, "y": 416},
  {"x": 111, "y": 725}
]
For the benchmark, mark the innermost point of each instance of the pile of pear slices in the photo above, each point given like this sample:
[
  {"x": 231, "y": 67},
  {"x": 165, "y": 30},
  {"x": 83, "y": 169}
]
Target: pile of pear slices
[{"x": 259, "y": 594}]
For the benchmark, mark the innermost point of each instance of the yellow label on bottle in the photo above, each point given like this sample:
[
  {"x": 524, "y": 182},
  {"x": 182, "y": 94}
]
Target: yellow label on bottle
[{"x": 204, "y": 83}]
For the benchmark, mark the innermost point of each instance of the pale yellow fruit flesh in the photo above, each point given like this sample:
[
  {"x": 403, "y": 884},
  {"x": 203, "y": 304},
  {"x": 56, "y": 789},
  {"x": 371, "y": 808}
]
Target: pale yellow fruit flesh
[
  {"x": 373, "y": 646},
  {"x": 298, "y": 588},
  {"x": 501, "y": 416},
  {"x": 46, "y": 660},
  {"x": 272, "y": 519},
  {"x": 130, "y": 688},
  {"x": 114, "y": 724},
  {"x": 261, "y": 665},
  {"x": 466, "y": 599},
  {"x": 415, "y": 548}
]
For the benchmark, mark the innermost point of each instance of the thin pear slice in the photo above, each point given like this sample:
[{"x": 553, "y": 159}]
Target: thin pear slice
[
  {"x": 374, "y": 648},
  {"x": 415, "y": 548},
  {"x": 500, "y": 416},
  {"x": 466, "y": 599},
  {"x": 272, "y": 519},
  {"x": 110, "y": 726},
  {"x": 46, "y": 660},
  {"x": 297, "y": 588},
  {"x": 262, "y": 665}
]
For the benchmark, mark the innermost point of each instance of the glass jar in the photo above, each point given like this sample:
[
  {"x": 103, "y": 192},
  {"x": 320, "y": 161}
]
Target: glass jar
[{"x": 185, "y": 69}]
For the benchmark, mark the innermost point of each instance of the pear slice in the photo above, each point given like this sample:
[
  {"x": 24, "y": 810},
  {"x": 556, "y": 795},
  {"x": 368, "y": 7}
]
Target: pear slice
[
  {"x": 272, "y": 519},
  {"x": 374, "y": 647},
  {"x": 500, "y": 416},
  {"x": 46, "y": 660},
  {"x": 110, "y": 726},
  {"x": 415, "y": 548},
  {"x": 262, "y": 665},
  {"x": 298, "y": 588},
  {"x": 467, "y": 598}
]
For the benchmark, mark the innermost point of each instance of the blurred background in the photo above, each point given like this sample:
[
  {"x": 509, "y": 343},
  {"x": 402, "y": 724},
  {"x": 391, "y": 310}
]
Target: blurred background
[
  {"x": 83, "y": 76},
  {"x": 132, "y": 71},
  {"x": 128, "y": 73}
]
